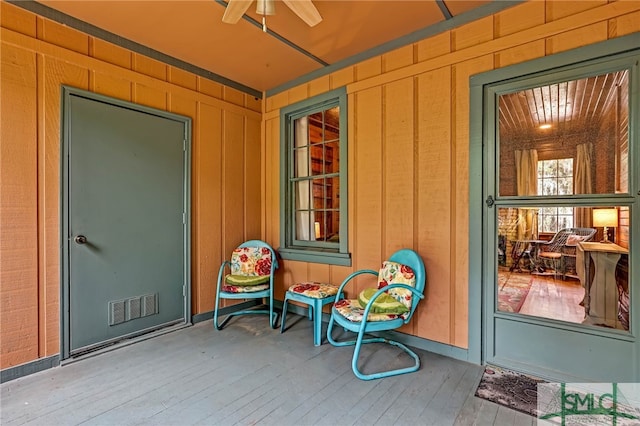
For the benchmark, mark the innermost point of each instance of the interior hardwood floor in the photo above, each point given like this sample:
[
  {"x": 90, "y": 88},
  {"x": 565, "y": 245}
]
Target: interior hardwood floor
[
  {"x": 250, "y": 374},
  {"x": 555, "y": 298}
]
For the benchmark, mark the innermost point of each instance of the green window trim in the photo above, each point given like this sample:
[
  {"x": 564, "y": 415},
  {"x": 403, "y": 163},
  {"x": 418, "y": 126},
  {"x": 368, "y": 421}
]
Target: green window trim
[{"x": 326, "y": 252}]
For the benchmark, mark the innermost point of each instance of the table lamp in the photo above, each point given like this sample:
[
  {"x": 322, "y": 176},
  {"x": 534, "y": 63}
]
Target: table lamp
[{"x": 605, "y": 218}]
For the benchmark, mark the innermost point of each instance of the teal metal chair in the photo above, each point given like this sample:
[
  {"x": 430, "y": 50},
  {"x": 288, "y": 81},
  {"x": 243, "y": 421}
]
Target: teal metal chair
[
  {"x": 401, "y": 283},
  {"x": 251, "y": 276}
]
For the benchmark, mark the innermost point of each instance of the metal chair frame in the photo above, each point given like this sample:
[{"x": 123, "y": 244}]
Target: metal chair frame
[
  {"x": 406, "y": 257},
  {"x": 264, "y": 294}
]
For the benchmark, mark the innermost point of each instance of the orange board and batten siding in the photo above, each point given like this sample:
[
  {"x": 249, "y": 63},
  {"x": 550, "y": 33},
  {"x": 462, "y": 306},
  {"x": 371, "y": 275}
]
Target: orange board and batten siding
[
  {"x": 414, "y": 99},
  {"x": 409, "y": 145},
  {"x": 38, "y": 56}
]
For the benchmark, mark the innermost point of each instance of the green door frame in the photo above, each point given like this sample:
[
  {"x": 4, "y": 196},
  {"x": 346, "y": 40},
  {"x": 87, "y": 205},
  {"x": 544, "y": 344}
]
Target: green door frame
[
  {"x": 480, "y": 185},
  {"x": 66, "y": 94}
]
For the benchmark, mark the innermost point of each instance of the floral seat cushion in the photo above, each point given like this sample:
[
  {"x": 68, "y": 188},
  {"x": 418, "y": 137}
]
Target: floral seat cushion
[
  {"x": 314, "y": 289},
  {"x": 351, "y": 310},
  {"x": 391, "y": 272},
  {"x": 244, "y": 288}
]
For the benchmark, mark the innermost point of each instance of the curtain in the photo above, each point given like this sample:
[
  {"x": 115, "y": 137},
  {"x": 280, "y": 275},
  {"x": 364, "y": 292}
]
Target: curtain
[
  {"x": 527, "y": 184},
  {"x": 582, "y": 182},
  {"x": 304, "y": 217}
]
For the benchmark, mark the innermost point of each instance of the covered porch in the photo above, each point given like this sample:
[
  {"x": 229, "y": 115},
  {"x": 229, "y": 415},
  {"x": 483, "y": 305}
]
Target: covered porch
[{"x": 247, "y": 374}]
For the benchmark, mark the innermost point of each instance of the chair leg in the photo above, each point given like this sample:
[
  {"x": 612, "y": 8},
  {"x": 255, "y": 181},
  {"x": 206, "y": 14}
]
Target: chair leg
[
  {"x": 273, "y": 316},
  {"x": 356, "y": 353},
  {"x": 335, "y": 342},
  {"x": 317, "y": 322},
  {"x": 284, "y": 313},
  {"x": 332, "y": 340},
  {"x": 223, "y": 323},
  {"x": 215, "y": 310}
]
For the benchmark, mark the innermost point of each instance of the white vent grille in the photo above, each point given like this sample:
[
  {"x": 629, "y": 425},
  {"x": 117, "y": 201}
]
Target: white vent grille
[
  {"x": 149, "y": 304},
  {"x": 116, "y": 312},
  {"x": 132, "y": 308}
]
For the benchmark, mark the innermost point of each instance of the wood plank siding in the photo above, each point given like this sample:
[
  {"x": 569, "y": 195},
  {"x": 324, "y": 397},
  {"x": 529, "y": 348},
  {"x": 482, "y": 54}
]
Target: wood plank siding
[
  {"x": 408, "y": 142},
  {"x": 408, "y": 154},
  {"x": 38, "y": 56}
]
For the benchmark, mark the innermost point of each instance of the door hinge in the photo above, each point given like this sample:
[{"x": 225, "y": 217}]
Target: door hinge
[
  {"x": 184, "y": 144},
  {"x": 184, "y": 290},
  {"x": 490, "y": 201},
  {"x": 184, "y": 218}
]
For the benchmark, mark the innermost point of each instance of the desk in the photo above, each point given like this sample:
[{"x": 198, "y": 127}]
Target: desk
[{"x": 596, "y": 267}]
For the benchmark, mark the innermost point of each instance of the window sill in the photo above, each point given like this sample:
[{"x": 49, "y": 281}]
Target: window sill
[{"x": 329, "y": 257}]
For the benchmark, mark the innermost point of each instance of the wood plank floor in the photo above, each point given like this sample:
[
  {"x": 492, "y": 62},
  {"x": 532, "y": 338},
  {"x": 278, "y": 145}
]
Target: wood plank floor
[
  {"x": 555, "y": 298},
  {"x": 249, "y": 374}
]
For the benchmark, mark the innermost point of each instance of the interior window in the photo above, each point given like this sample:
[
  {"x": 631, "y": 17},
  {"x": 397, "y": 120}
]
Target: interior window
[
  {"x": 316, "y": 176},
  {"x": 555, "y": 177}
]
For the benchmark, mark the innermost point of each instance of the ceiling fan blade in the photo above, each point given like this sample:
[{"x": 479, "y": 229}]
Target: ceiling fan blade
[
  {"x": 234, "y": 10},
  {"x": 305, "y": 10}
]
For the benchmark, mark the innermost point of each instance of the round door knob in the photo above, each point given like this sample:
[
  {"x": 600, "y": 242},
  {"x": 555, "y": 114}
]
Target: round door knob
[{"x": 80, "y": 239}]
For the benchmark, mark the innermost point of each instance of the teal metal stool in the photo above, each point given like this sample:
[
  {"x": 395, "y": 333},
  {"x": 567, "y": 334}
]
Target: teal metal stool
[{"x": 314, "y": 294}]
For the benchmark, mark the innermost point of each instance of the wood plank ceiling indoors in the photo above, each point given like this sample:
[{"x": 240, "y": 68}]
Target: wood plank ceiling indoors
[
  {"x": 193, "y": 33},
  {"x": 569, "y": 107}
]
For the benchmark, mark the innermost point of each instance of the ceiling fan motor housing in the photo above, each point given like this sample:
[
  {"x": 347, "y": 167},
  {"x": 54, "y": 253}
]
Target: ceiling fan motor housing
[{"x": 265, "y": 7}]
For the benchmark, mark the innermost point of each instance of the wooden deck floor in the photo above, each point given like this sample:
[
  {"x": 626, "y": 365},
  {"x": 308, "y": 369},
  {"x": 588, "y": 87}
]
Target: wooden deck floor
[{"x": 249, "y": 374}]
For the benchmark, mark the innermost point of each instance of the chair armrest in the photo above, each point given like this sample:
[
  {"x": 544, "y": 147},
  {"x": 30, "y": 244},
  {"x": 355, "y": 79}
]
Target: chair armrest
[
  {"x": 350, "y": 277},
  {"x": 221, "y": 271}
]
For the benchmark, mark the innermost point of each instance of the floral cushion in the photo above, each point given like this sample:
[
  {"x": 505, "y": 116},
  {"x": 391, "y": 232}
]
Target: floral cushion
[
  {"x": 314, "y": 289},
  {"x": 396, "y": 273},
  {"x": 244, "y": 288},
  {"x": 351, "y": 310},
  {"x": 251, "y": 261}
]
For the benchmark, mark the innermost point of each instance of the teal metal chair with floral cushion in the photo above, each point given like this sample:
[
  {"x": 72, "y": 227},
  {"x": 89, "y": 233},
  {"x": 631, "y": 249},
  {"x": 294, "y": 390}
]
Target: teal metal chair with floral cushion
[
  {"x": 251, "y": 276},
  {"x": 390, "y": 305}
]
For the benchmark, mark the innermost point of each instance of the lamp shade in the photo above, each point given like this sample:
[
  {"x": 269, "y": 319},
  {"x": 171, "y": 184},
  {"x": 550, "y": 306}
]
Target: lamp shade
[{"x": 605, "y": 217}]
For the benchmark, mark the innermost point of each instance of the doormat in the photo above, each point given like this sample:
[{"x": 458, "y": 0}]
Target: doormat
[
  {"x": 512, "y": 291},
  {"x": 514, "y": 390}
]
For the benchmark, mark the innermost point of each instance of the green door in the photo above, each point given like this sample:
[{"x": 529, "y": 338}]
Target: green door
[
  {"x": 125, "y": 210},
  {"x": 560, "y": 291}
]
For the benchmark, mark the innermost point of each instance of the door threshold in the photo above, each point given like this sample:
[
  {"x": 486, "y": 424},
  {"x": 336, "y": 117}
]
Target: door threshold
[{"x": 122, "y": 343}]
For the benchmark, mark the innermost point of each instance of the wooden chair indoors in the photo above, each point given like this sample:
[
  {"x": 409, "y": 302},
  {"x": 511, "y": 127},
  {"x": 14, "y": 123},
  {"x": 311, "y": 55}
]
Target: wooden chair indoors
[
  {"x": 401, "y": 283},
  {"x": 551, "y": 257},
  {"x": 252, "y": 267}
]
